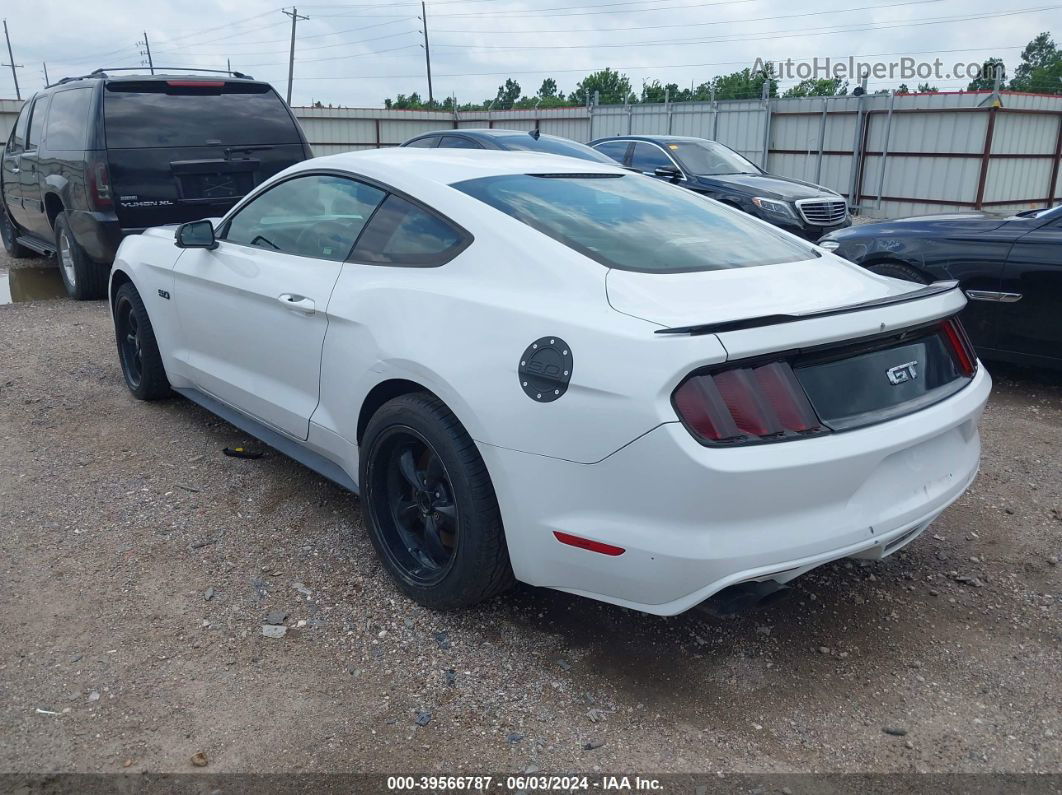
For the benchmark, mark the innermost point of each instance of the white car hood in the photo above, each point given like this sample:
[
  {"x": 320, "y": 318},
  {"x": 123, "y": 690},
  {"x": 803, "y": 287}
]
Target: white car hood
[{"x": 684, "y": 299}]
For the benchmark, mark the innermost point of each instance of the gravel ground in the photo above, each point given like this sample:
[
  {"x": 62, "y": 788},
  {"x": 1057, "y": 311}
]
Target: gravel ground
[{"x": 138, "y": 565}]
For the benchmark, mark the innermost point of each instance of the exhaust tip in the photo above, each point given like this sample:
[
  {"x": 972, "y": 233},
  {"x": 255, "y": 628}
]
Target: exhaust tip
[{"x": 744, "y": 597}]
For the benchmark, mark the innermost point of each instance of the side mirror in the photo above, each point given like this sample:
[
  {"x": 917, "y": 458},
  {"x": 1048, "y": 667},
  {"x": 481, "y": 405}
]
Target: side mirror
[
  {"x": 670, "y": 172},
  {"x": 196, "y": 234}
]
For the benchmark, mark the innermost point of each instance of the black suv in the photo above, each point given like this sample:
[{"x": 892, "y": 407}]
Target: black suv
[
  {"x": 92, "y": 159},
  {"x": 709, "y": 167}
]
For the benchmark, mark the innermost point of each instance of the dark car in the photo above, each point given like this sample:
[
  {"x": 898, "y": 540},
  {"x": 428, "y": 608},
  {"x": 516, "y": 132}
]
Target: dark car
[
  {"x": 1009, "y": 268},
  {"x": 718, "y": 171},
  {"x": 92, "y": 159},
  {"x": 508, "y": 140}
]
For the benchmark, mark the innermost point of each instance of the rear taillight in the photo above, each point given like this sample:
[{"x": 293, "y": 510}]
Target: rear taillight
[
  {"x": 965, "y": 357},
  {"x": 99, "y": 186},
  {"x": 746, "y": 405}
]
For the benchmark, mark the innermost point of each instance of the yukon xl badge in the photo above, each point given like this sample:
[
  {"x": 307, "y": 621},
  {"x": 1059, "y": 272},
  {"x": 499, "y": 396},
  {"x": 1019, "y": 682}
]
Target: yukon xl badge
[{"x": 902, "y": 373}]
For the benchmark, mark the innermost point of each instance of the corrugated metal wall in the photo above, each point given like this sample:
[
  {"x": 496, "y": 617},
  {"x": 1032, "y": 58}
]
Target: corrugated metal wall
[{"x": 938, "y": 152}]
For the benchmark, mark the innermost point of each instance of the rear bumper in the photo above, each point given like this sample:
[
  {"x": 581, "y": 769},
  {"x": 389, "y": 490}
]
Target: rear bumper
[{"x": 693, "y": 520}]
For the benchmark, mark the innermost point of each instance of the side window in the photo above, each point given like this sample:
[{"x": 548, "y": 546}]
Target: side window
[
  {"x": 17, "y": 141},
  {"x": 428, "y": 142},
  {"x": 36, "y": 126},
  {"x": 317, "y": 216},
  {"x": 457, "y": 142},
  {"x": 647, "y": 158},
  {"x": 617, "y": 150},
  {"x": 403, "y": 234},
  {"x": 68, "y": 121}
]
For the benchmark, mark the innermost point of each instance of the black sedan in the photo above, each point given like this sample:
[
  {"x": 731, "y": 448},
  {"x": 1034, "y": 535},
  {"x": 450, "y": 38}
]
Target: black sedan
[
  {"x": 718, "y": 171},
  {"x": 510, "y": 140},
  {"x": 1010, "y": 269}
]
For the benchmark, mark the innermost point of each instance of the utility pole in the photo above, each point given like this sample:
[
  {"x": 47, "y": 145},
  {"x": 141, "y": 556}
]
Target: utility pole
[
  {"x": 294, "y": 14},
  {"x": 47, "y": 82},
  {"x": 427, "y": 52},
  {"x": 13, "y": 65},
  {"x": 147, "y": 51},
  {"x": 228, "y": 65}
]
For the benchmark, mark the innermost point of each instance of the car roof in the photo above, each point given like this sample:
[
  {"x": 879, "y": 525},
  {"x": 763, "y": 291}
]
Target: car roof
[
  {"x": 111, "y": 77},
  {"x": 651, "y": 138},
  {"x": 488, "y": 132},
  {"x": 405, "y": 167}
]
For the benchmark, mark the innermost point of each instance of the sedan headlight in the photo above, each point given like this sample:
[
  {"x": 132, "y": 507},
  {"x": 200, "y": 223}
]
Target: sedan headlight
[
  {"x": 830, "y": 245},
  {"x": 774, "y": 207}
]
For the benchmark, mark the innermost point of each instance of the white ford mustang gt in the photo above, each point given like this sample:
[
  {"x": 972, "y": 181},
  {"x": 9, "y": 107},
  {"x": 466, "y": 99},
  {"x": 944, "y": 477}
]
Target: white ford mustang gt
[{"x": 561, "y": 372}]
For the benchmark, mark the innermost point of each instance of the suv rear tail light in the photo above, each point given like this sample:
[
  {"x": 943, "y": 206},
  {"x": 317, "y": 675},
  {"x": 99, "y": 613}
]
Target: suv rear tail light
[
  {"x": 99, "y": 186},
  {"x": 965, "y": 357},
  {"x": 746, "y": 405}
]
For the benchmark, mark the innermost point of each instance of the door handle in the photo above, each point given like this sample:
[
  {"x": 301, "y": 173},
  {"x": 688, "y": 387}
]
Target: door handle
[{"x": 297, "y": 303}]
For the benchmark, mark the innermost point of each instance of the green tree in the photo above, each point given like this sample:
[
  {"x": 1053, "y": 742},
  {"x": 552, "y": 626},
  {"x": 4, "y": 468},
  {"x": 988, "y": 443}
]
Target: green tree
[
  {"x": 925, "y": 88},
  {"x": 507, "y": 96},
  {"x": 611, "y": 87},
  {"x": 654, "y": 91},
  {"x": 903, "y": 89},
  {"x": 1047, "y": 79},
  {"x": 746, "y": 84},
  {"x": 987, "y": 79},
  {"x": 548, "y": 90},
  {"x": 833, "y": 87},
  {"x": 1040, "y": 53}
]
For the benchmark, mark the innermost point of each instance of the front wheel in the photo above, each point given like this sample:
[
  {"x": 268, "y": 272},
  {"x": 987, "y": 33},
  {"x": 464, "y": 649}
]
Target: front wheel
[
  {"x": 138, "y": 351},
  {"x": 430, "y": 507}
]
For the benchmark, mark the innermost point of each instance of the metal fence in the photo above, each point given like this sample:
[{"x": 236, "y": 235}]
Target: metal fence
[{"x": 891, "y": 155}]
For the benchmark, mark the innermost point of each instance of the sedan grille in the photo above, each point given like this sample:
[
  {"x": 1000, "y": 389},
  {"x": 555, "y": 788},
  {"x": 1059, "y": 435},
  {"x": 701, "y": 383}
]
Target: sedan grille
[{"x": 823, "y": 212}]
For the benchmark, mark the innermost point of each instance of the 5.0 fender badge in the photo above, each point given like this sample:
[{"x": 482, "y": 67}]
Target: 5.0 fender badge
[{"x": 545, "y": 369}]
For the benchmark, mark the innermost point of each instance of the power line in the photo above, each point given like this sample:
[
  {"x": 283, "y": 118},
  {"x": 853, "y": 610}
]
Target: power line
[
  {"x": 301, "y": 49},
  {"x": 642, "y": 67},
  {"x": 696, "y": 24},
  {"x": 766, "y": 35}
]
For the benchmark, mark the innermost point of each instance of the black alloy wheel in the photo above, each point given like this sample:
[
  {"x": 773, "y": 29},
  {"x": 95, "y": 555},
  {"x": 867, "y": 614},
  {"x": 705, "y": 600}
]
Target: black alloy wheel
[
  {"x": 420, "y": 506},
  {"x": 130, "y": 344}
]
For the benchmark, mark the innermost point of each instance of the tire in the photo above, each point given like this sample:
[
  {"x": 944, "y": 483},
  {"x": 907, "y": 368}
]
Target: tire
[
  {"x": 138, "y": 351},
  {"x": 7, "y": 234},
  {"x": 429, "y": 505},
  {"x": 84, "y": 279},
  {"x": 898, "y": 270}
]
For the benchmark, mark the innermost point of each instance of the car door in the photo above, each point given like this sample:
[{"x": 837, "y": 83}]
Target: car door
[
  {"x": 33, "y": 218},
  {"x": 12, "y": 160},
  {"x": 1030, "y": 316},
  {"x": 617, "y": 150},
  {"x": 253, "y": 311},
  {"x": 647, "y": 158}
]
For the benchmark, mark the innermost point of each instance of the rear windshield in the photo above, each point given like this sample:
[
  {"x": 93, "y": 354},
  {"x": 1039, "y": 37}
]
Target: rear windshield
[
  {"x": 141, "y": 114},
  {"x": 553, "y": 146},
  {"x": 637, "y": 223}
]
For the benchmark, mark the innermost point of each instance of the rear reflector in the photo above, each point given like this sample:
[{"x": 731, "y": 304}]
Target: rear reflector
[
  {"x": 586, "y": 543},
  {"x": 746, "y": 404},
  {"x": 965, "y": 357}
]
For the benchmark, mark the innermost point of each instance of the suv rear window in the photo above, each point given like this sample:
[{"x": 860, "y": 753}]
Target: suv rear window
[
  {"x": 636, "y": 223},
  {"x": 148, "y": 113},
  {"x": 68, "y": 122}
]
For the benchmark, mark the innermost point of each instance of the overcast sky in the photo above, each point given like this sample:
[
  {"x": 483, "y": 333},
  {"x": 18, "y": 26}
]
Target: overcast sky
[{"x": 355, "y": 54}]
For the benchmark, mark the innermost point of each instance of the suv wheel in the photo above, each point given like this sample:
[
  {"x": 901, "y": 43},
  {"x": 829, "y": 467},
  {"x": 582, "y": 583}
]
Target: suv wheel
[
  {"x": 430, "y": 506},
  {"x": 8, "y": 234},
  {"x": 84, "y": 279},
  {"x": 138, "y": 351}
]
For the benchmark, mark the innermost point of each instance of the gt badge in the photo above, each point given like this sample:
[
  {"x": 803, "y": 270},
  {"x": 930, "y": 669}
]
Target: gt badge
[{"x": 902, "y": 373}]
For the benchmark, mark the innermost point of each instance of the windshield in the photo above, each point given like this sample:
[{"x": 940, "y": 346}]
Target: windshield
[
  {"x": 553, "y": 146},
  {"x": 707, "y": 158},
  {"x": 637, "y": 223}
]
